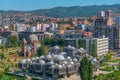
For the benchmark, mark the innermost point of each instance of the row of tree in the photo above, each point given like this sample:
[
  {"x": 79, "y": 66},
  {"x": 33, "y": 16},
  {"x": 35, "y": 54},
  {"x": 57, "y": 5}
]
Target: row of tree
[{"x": 53, "y": 42}]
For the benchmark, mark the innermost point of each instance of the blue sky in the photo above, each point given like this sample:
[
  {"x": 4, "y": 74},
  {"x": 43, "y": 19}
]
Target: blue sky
[{"x": 43, "y": 4}]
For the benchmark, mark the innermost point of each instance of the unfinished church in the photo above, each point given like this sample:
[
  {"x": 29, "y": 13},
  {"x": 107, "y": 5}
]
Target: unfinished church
[
  {"x": 59, "y": 63},
  {"x": 30, "y": 47}
]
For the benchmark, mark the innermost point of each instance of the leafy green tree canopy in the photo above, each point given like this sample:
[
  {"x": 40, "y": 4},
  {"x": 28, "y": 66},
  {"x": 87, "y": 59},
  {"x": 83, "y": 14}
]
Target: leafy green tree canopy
[
  {"x": 86, "y": 69},
  {"x": 13, "y": 41},
  {"x": 41, "y": 50},
  {"x": 81, "y": 43}
]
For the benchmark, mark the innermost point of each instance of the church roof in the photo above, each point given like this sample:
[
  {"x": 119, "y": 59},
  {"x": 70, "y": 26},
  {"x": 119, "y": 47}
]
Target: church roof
[{"x": 33, "y": 37}]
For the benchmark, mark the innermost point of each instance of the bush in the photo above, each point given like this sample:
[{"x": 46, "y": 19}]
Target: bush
[
  {"x": 1, "y": 72},
  {"x": 41, "y": 50},
  {"x": 8, "y": 60},
  {"x": 107, "y": 57},
  {"x": 2, "y": 56},
  {"x": 16, "y": 65},
  {"x": 2, "y": 46},
  {"x": 17, "y": 51}
]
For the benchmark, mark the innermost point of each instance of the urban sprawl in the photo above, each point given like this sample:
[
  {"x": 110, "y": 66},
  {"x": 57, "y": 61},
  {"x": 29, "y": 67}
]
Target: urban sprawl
[{"x": 35, "y": 47}]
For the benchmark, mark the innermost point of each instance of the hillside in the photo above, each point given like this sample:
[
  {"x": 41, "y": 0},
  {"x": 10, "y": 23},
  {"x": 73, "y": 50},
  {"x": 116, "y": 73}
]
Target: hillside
[{"x": 74, "y": 11}]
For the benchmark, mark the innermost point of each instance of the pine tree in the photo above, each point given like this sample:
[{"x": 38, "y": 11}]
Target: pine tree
[
  {"x": 81, "y": 43},
  {"x": 86, "y": 69},
  {"x": 94, "y": 50},
  {"x": 41, "y": 50}
]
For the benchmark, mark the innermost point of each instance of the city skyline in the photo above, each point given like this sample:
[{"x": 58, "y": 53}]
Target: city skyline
[{"x": 27, "y": 5}]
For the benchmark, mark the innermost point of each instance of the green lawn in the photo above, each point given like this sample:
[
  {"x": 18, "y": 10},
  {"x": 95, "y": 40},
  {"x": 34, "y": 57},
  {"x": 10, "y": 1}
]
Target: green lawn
[
  {"x": 10, "y": 77},
  {"x": 115, "y": 60},
  {"x": 108, "y": 69},
  {"x": 10, "y": 50},
  {"x": 103, "y": 64},
  {"x": 111, "y": 76}
]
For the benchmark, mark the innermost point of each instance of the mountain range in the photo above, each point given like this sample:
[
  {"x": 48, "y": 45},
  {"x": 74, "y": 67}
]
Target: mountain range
[{"x": 74, "y": 11}]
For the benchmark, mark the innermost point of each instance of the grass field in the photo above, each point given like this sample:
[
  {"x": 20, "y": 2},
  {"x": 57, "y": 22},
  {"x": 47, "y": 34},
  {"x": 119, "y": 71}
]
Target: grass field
[
  {"x": 111, "y": 76},
  {"x": 8, "y": 77}
]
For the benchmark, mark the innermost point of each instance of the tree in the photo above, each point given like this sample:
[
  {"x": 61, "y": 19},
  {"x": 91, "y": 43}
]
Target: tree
[
  {"x": 81, "y": 43},
  {"x": 41, "y": 50},
  {"x": 94, "y": 50},
  {"x": 107, "y": 57},
  {"x": 119, "y": 66},
  {"x": 86, "y": 69},
  {"x": 90, "y": 19},
  {"x": 53, "y": 42},
  {"x": 13, "y": 41},
  {"x": 2, "y": 56},
  {"x": 2, "y": 46},
  {"x": 1, "y": 73}
]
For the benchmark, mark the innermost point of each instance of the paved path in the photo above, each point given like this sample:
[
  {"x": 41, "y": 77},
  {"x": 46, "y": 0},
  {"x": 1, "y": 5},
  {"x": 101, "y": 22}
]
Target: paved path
[{"x": 101, "y": 72}]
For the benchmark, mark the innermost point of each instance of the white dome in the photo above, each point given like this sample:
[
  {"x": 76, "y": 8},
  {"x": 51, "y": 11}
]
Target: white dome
[
  {"x": 59, "y": 66},
  {"x": 23, "y": 61},
  {"x": 28, "y": 60},
  {"x": 63, "y": 65},
  {"x": 56, "y": 64},
  {"x": 69, "y": 46},
  {"x": 41, "y": 57},
  {"x": 51, "y": 62},
  {"x": 56, "y": 47},
  {"x": 48, "y": 57},
  {"x": 77, "y": 55},
  {"x": 73, "y": 47},
  {"x": 65, "y": 62},
  {"x": 75, "y": 60},
  {"x": 72, "y": 62},
  {"x": 82, "y": 49},
  {"x": 69, "y": 57},
  {"x": 42, "y": 62},
  {"x": 94, "y": 60},
  {"x": 59, "y": 58}
]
